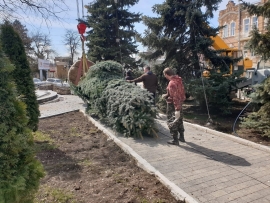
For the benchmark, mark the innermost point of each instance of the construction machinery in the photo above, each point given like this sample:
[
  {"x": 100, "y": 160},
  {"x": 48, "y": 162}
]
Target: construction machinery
[
  {"x": 242, "y": 65},
  {"x": 254, "y": 75}
]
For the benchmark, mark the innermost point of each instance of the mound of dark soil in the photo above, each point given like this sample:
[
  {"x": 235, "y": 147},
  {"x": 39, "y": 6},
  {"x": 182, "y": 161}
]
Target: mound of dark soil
[{"x": 82, "y": 165}]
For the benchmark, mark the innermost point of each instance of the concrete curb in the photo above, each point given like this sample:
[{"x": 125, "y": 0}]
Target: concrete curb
[
  {"x": 57, "y": 114},
  {"x": 177, "y": 192},
  {"x": 226, "y": 136},
  {"x": 48, "y": 97},
  {"x": 229, "y": 136}
]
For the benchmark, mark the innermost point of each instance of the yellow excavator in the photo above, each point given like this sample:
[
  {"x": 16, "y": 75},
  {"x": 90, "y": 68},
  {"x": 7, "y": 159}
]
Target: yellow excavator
[{"x": 242, "y": 65}]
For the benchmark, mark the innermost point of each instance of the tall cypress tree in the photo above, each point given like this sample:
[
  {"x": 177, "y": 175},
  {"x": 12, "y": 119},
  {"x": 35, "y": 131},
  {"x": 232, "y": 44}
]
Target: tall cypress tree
[
  {"x": 110, "y": 21},
  {"x": 20, "y": 172},
  {"x": 14, "y": 49}
]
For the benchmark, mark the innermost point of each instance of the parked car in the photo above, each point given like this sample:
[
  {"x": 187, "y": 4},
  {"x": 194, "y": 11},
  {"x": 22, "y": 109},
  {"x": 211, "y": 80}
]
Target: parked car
[
  {"x": 38, "y": 82},
  {"x": 54, "y": 81},
  {"x": 66, "y": 84},
  {"x": 57, "y": 82}
]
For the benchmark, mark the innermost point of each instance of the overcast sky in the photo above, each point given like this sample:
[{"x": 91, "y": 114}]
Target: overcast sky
[{"x": 56, "y": 30}]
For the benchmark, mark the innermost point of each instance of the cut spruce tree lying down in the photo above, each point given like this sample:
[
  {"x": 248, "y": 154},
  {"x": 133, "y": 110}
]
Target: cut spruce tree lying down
[{"x": 124, "y": 106}]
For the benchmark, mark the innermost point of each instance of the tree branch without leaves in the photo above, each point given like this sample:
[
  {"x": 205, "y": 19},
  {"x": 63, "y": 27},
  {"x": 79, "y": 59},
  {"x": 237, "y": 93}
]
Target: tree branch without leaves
[
  {"x": 42, "y": 45},
  {"x": 72, "y": 41},
  {"x": 14, "y": 9}
]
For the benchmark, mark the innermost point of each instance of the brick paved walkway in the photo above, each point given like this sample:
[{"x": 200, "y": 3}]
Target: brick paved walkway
[{"x": 210, "y": 167}]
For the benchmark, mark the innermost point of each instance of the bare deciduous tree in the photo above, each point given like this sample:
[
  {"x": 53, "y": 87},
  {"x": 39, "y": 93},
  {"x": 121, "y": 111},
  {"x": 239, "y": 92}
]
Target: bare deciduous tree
[
  {"x": 23, "y": 33},
  {"x": 42, "y": 45},
  {"x": 10, "y": 9},
  {"x": 72, "y": 41},
  {"x": 27, "y": 42}
]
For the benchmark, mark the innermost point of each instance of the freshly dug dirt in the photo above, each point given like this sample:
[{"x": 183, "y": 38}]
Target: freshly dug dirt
[
  {"x": 224, "y": 123},
  {"x": 83, "y": 166}
]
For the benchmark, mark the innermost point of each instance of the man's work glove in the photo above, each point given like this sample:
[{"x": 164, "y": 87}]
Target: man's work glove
[
  {"x": 177, "y": 115},
  {"x": 165, "y": 96},
  {"x": 172, "y": 123}
]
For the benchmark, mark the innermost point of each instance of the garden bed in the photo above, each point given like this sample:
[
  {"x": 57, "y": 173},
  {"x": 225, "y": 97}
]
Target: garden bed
[
  {"x": 82, "y": 165},
  {"x": 223, "y": 123}
]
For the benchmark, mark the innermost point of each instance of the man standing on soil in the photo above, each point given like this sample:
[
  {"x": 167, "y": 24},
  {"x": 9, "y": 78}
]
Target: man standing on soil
[
  {"x": 175, "y": 97},
  {"x": 149, "y": 79}
]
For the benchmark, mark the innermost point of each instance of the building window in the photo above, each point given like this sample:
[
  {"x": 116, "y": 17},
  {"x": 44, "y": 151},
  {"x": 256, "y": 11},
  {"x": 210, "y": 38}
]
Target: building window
[
  {"x": 232, "y": 28},
  {"x": 225, "y": 31},
  {"x": 265, "y": 21},
  {"x": 245, "y": 53},
  {"x": 246, "y": 26},
  {"x": 255, "y": 21}
]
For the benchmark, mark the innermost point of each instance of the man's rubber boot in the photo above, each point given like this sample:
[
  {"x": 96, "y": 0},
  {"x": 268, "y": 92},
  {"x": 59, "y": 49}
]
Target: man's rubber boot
[
  {"x": 174, "y": 141},
  {"x": 181, "y": 138}
]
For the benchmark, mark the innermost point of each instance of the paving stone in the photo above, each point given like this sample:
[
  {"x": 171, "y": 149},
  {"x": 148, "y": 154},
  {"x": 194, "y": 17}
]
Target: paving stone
[
  {"x": 218, "y": 193},
  {"x": 253, "y": 197},
  {"x": 262, "y": 200},
  {"x": 267, "y": 197},
  {"x": 265, "y": 192}
]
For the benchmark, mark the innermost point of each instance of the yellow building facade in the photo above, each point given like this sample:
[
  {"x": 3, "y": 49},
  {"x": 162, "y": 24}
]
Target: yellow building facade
[
  {"x": 238, "y": 25},
  {"x": 62, "y": 66}
]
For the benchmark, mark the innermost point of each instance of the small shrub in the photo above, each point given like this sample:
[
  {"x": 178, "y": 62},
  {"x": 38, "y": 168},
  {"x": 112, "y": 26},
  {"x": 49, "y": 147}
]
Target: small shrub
[
  {"x": 260, "y": 119},
  {"x": 50, "y": 194},
  {"x": 20, "y": 171},
  {"x": 43, "y": 141},
  {"x": 217, "y": 89}
]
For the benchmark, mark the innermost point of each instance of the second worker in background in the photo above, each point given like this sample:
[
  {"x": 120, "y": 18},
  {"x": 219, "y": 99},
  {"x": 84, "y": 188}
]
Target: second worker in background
[{"x": 150, "y": 81}]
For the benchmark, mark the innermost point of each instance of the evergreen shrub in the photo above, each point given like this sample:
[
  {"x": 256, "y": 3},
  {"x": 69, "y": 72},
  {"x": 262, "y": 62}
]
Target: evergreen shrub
[
  {"x": 137, "y": 72},
  {"x": 162, "y": 104},
  {"x": 124, "y": 106},
  {"x": 260, "y": 119},
  {"x": 13, "y": 47},
  {"x": 217, "y": 89},
  {"x": 20, "y": 171}
]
